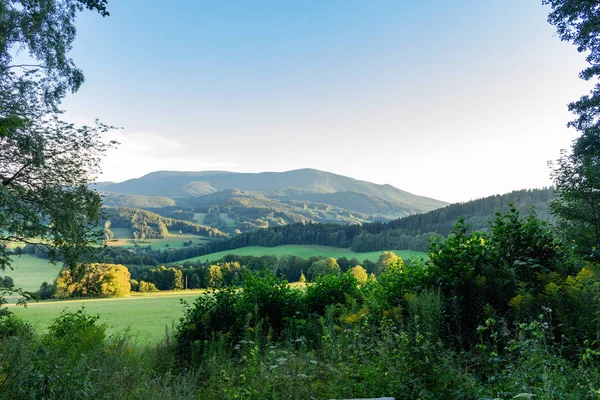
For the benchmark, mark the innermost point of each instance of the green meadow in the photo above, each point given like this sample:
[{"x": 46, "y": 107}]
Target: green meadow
[
  {"x": 306, "y": 251},
  {"x": 29, "y": 272},
  {"x": 229, "y": 222},
  {"x": 147, "y": 315},
  {"x": 124, "y": 238},
  {"x": 199, "y": 218}
]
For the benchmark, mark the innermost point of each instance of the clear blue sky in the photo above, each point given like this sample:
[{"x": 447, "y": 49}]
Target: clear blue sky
[{"x": 450, "y": 99}]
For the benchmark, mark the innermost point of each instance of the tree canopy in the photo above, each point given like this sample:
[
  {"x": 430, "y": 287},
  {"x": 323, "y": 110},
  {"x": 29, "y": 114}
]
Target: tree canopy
[
  {"x": 46, "y": 164},
  {"x": 577, "y": 174}
]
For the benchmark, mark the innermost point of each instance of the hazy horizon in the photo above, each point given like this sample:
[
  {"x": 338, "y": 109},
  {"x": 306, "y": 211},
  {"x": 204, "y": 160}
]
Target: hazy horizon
[{"x": 449, "y": 101}]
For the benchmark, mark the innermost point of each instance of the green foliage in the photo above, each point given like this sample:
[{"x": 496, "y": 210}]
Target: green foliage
[
  {"x": 93, "y": 280},
  {"x": 7, "y": 282},
  {"x": 479, "y": 274},
  {"x": 46, "y": 164},
  {"x": 144, "y": 287},
  {"x": 331, "y": 290},
  {"x": 165, "y": 278},
  {"x": 577, "y": 202},
  {"x": 577, "y": 175},
  {"x": 46, "y": 291},
  {"x": 360, "y": 274},
  {"x": 328, "y": 266},
  {"x": 148, "y": 225},
  {"x": 11, "y": 325},
  {"x": 387, "y": 259},
  {"x": 268, "y": 299}
]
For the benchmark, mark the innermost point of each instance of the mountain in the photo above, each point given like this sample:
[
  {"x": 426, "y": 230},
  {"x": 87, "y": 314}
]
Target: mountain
[
  {"x": 246, "y": 201},
  {"x": 190, "y": 184},
  {"x": 412, "y": 232}
]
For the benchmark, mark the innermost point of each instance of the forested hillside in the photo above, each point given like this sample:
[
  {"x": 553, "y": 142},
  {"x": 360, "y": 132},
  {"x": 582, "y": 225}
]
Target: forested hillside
[
  {"x": 412, "y": 232},
  {"x": 409, "y": 233},
  {"x": 148, "y": 225},
  {"x": 244, "y": 202}
]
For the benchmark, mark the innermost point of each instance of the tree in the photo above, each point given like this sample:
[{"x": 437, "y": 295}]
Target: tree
[
  {"x": 108, "y": 234},
  {"x": 215, "y": 277},
  {"x": 7, "y": 282},
  {"x": 577, "y": 202},
  {"x": 386, "y": 260},
  {"x": 93, "y": 280},
  {"x": 577, "y": 175},
  {"x": 46, "y": 164},
  {"x": 328, "y": 266},
  {"x": 360, "y": 274}
]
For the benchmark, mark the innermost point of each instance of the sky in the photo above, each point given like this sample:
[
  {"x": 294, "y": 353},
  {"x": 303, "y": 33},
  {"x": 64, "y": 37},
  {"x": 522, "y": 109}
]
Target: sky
[{"x": 451, "y": 100}]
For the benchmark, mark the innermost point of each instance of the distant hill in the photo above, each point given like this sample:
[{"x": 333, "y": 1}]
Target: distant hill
[
  {"x": 246, "y": 201},
  {"x": 408, "y": 233}
]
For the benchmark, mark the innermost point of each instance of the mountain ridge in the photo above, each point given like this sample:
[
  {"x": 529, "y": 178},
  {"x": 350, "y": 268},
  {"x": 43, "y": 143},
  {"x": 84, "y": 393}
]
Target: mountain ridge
[{"x": 263, "y": 199}]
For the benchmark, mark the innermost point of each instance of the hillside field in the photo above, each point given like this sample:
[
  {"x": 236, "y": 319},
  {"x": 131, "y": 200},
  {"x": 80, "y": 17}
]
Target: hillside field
[
  {"x": 146, "y": 314},
  {"x": 305, "y": 251},
  {"x": 29, "y": 272},
  {"x": 124, "y": 238}
]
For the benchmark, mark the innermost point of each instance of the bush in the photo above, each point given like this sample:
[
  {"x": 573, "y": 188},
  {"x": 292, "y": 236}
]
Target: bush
[
  {"x": 46, "y": 291},
  {"x": 11, "y": 325},
  {"x": 7, "y": 282},
  {"x": 93, "y": 280},
  {"x": 144, "y": 287},
  {"x": 331, "y": 290},
  {"x": 268, "y": 301},
  {"x": 479, "y": 274}
]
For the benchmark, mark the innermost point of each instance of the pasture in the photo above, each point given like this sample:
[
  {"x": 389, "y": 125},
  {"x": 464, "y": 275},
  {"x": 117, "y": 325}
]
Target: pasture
[
  {"x": 28, "y": 272},
  {"x": 199, "y": 218},
  {"x": 124, "y": 238},
  {"x": 147, "y": 315},
  {"x": 229, "y": 222},
  {"x": 306, "y": 251}
]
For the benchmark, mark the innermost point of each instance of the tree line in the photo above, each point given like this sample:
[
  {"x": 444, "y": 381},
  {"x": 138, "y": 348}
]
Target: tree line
[{"x": 148, "y": 225}]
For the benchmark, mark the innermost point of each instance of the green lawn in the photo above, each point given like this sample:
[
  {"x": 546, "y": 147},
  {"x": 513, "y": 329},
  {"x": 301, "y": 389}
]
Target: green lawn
[
  {"x": 29, "y": 271},
  {"x": 306, "y": 252},
  {"x": 146, "y": 314}
]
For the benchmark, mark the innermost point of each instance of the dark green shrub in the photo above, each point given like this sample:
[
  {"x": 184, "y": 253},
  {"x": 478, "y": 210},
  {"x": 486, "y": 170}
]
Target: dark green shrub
[
  {"x": 11, "y": 325},
  {"x": 7, "y": 282},
  {"x": 331, "y": 290},
  {"x": 214, "y": 314},
  {"x": 478, "y": 274},
  {"x": 46, "y": 291},
  {"x": 269, "y": 301}
]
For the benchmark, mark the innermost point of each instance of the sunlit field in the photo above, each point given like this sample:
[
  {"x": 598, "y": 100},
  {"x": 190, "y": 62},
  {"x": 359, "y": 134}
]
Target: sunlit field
[
  {"x": 147, "y": 315},
  {"x": 306, "y": 251}
]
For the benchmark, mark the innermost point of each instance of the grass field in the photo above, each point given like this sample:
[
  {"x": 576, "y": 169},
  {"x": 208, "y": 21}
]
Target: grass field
[
  {"x": 229, "y": 222},
  {"x": 124, "y": 238},
  {"x": 199, "y": 218},
  {"x": 145, "y": 314},
  {"x": 306, "y": 252},
  {"x": 29, "y": 271}
]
